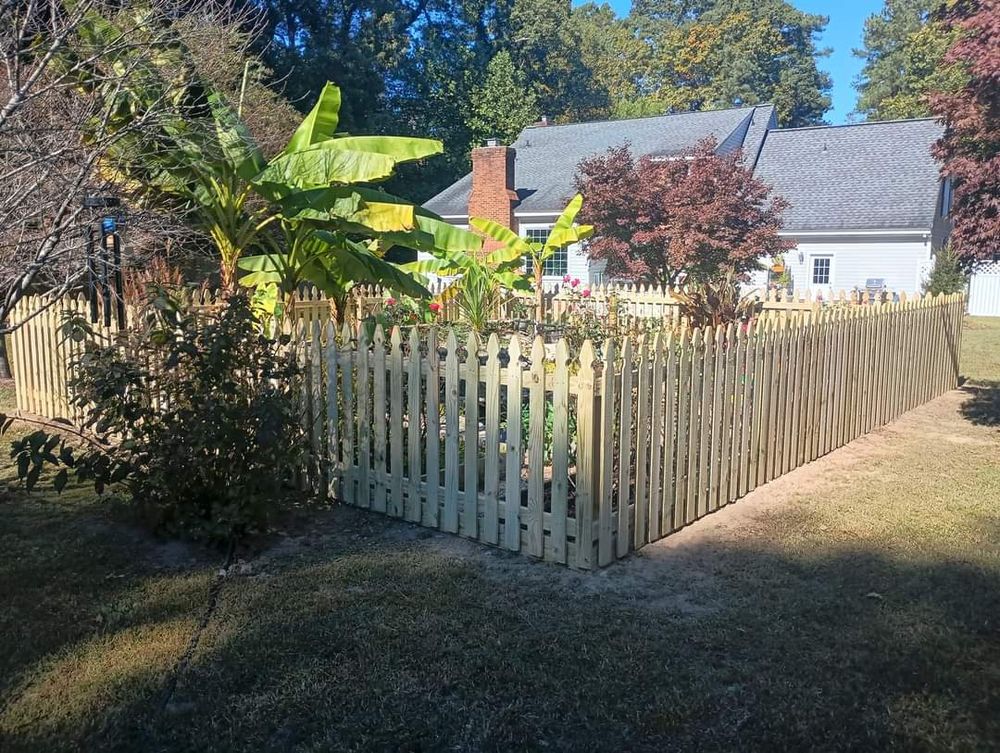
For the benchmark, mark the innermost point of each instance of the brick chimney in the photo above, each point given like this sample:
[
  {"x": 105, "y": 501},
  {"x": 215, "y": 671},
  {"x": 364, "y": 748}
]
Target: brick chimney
[{"x": 493, "y": 196}]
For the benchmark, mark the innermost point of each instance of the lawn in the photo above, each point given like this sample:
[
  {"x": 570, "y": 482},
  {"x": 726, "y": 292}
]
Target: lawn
[{"x": 853, "y": 604}]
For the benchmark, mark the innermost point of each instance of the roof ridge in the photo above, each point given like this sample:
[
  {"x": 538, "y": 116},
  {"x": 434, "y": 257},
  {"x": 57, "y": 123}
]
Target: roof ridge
[
  {"x": 645, "y": 117},
  {"x": 855, "y": 125}
]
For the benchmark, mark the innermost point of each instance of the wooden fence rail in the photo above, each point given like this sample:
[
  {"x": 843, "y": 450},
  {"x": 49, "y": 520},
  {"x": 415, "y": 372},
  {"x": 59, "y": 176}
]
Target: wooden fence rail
[{"x": 580, "y": 458}]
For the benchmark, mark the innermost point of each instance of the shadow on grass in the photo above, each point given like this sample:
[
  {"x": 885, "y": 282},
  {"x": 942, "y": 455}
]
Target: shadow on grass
[
  {"x": 376, "y": 642},
  {"x": 983, "y": 404}
]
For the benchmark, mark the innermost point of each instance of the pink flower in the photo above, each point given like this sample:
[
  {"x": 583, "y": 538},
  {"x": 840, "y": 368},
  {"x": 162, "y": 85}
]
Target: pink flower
[
  {"x": 390, "y": 301},
  {"x": 434, "y": 307},
  {"x": 566, "y": 278},
  {"x": 586, "y": 293},
  {"x": 576, "y": 281}
]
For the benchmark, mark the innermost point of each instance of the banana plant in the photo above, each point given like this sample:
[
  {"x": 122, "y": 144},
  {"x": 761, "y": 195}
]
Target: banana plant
[
  {"x": 180, "y": 146},
  {"x": 481, "y": 284},
  {"x": 564, "y": 233},
  {"x": 330, "y": 261}
]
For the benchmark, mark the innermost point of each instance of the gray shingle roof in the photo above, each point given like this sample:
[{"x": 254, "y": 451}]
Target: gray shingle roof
[
  {"x": 855, "y": 177},
  {"x": 547, "y": 156}
]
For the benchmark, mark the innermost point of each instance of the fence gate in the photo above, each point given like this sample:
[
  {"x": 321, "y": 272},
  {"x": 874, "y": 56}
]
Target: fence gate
[{"x": 984, "y": 290}]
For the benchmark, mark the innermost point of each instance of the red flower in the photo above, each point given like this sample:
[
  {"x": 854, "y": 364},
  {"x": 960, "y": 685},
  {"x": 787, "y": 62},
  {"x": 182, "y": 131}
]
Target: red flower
[
  {"x": 390, "y": 301},
  {"x": 586, "y": 293},
  {"x": 566, "y": 278},
  {"x": 434, "y": 307},
  {"x": 576, "y": 281}
]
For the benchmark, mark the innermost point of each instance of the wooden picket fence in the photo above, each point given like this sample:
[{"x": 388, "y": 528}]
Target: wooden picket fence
[{"x": 579, "y": 457}]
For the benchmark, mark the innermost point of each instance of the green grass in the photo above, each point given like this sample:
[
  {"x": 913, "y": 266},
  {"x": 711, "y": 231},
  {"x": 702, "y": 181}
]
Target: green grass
[
  {"x": 981, "y": 349},
  {"x": 853, "y": 606}
]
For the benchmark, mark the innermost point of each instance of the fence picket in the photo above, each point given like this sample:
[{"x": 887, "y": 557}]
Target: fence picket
[
  {"x": 655, "y": 493},
  {"x": 586, "y": 434},
  {"x": 491, "y": 472},
  {"x": 432, "y": 398},
  {"x": 606, "y": 467},
  {"x": 470, "y": 489},
  {"x": 669, "y": 435},
  {"x": 642, "y": 441},
  {"x": 536, "y": 450},
  {"x": 515, "y": 449},
  {"x": 560, "y": 453},
  {"x": 696, "y": 404},
  {"x": 413, "y": 413},
  {"x": 449, "y": 517},
  {"x": 396, "y": 423},
  {"x": 380, "y": 420},
  {"x": 624, "y": 533}
]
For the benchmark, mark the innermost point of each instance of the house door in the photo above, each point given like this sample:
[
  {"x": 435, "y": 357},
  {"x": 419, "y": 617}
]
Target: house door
[{"x": 984, "y": 290}]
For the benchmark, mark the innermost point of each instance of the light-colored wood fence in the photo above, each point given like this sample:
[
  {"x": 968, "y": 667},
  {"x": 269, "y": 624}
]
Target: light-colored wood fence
[{"x": 581, "y": 458}]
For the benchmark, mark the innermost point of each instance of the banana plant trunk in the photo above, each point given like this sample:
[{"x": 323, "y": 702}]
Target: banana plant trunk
[{"x": 539, "y": 294}]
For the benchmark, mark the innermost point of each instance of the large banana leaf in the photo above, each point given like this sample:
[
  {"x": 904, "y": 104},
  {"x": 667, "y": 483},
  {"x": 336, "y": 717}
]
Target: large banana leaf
[
  {"x": 320, "y": 168},
  {"x": 330, "y": 262},
  {"x": 498, "y": 232},
  {"x": 236, "y": 144},
  {"x": 341, "y": 204},
  {"x": 564, "y": 232},
  {"x": 321, "y": 122},
  {"x": 400, "y": 148}
]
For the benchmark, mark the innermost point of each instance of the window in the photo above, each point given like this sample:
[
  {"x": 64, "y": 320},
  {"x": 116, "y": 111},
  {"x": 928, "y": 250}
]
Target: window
[
  {"x": 945, "y": 197},
  {"x": 556, "y": 265},
  {"x": 821, "y": 270}
]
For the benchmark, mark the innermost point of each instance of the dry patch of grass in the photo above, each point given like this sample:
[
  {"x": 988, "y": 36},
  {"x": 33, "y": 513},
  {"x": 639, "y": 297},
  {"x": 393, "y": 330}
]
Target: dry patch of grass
[{"x": 851, "y": 605}]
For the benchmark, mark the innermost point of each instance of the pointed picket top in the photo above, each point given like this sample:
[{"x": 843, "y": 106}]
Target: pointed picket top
[
  {"x": 720, "y": 333},
  {"x": 413, "y": 341},
  {"x": 346, "y": 335},
  {"x": 492, "y": 348},
  {"x": 396, "y": 339},
  {"x": 514, "y": 352},
  {"x": 696, "y": 337},
  {"x": 451, "y": 342},
  {"x": 379, "y": 339},
  {"x": 730, "y": 336},
  {"x": 538, "y": 350},
  {"x": 315, "y": 331}
]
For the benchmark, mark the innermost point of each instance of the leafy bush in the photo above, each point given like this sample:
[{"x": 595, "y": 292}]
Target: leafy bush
[
  {"x": 197, "y": 419},
  {"x": 715, "y": 301},
  {"x": 947, "y": 276}
]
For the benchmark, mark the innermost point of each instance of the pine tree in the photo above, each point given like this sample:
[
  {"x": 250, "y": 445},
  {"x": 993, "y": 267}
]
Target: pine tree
[
  {"x": 947, "y": 275},
  {"x": 503, "y": 105},
  {"x": 904, "y": 47}
]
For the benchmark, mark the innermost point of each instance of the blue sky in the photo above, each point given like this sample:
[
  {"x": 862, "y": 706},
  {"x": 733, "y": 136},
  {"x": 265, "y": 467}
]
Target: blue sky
[{"x": 843, "y": 33}]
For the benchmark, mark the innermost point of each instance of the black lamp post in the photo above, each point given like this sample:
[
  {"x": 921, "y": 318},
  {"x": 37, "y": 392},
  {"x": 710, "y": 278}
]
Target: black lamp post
[{"x": 104, "y": 262}]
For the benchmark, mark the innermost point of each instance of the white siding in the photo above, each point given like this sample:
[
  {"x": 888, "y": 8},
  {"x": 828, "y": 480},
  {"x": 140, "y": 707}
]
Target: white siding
[{"x": 902, "y": 262}]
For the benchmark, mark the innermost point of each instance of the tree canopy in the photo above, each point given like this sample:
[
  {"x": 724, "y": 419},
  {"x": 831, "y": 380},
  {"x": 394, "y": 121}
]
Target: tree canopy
[
  {"x": 698, "y": 214},
  {"x": 904, "y": 48},
  {"x": 461, "y": 70},
  {"x": 970, "y": 147}
]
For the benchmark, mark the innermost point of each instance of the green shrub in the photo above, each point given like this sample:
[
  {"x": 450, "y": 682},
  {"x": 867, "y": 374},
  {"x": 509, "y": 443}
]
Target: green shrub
[
  {"x": 197, "y": 420},
  {"x": 947, "y": 275}
]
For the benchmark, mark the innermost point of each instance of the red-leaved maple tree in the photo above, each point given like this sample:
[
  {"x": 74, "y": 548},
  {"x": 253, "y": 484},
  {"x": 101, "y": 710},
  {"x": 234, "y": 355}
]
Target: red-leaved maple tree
[
  {"x": 694, "y": 214},
  {"x": 969, "y": 150}
]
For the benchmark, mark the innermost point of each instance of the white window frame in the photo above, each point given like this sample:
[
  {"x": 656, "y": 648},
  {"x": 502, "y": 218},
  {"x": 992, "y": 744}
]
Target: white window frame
[
  {"x": 811, "y": 271},
  {"x": 523, "y": 229}
]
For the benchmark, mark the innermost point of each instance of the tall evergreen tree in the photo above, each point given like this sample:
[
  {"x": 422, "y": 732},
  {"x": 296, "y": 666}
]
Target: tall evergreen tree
[
  {"x": 904, "y": 47},
  {"x": 502, "y": 105}
]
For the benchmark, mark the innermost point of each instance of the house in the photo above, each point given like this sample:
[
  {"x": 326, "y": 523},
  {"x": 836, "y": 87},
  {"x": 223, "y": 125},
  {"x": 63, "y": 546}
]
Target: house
[{"x": 867, "y": 202}]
